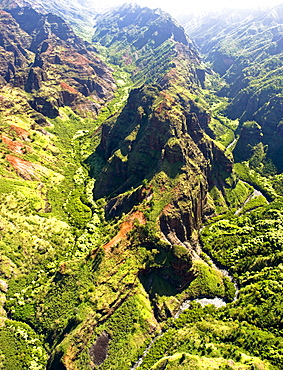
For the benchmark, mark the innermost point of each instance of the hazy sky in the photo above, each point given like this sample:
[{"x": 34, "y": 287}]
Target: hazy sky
[{"x": 177, "y": 7}]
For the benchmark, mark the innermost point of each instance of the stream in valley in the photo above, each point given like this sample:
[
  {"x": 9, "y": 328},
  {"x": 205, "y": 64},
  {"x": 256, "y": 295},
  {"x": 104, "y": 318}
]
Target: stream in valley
[
  {"x": 256, "y": 193},
  {"x": 204, "y": 301}
]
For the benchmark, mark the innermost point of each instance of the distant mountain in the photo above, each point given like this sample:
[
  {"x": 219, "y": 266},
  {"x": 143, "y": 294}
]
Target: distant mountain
[
  {"x": 147, "y": 40},
  {"x": 209, "y": 29},
  {"x": 79, "y": 14},
  {"x": 246, "y": 49}
]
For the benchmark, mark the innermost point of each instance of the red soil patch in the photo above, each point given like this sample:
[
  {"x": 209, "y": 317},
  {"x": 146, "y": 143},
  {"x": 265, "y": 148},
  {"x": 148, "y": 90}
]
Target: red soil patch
[
  {"x": 21, "y": 132},
  {"x": 172, "y": 75},
  {"x": 165, "y": 105},
  {"x": 125, "y": 228},
  {"x": 167, "y": 96},
  {"x": 167, "y": 208},
  {"x": 67, "y": 87},
  {"x": 70, "y": 56},
  {"x": 128, "y": 59},
  {"x": 15, "y": 146},
  {"x": 24, "y": 168}
]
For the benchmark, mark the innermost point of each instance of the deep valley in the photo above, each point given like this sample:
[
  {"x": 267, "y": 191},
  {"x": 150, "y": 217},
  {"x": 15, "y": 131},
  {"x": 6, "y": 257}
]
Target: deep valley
[{"x": 141, "y": 188}]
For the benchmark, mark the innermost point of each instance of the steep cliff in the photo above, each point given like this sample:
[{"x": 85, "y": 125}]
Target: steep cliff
[
  {"x": 148, "y": 41},
  {"x": 160, "y": 135},
  {"x": 161, "y": 131},
  {"x": 78, "y": 14}
]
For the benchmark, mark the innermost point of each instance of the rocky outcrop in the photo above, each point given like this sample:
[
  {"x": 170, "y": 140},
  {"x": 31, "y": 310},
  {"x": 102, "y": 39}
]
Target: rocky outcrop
[
  {"x": 184, "y": 214},
  {"x": 99, "y": 349},
  {"x": 250, "y": 135},
  {"x": 45, "y": 106},
  {"x": 14, "y": 44},
  {"x": 35, "y": 79},
  {"x": 136, "y": 34},
  {"x": 125, "y": 202},
  {"x": 153, "y": 136},
  {"x": 160, "y": 134}
]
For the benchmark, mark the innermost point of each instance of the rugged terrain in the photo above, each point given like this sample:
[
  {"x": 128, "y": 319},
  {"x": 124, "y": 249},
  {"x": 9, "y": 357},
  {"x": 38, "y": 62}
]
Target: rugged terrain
[
  {"x": 131, "y": 175},
  {"x": 247, "y": 52}
]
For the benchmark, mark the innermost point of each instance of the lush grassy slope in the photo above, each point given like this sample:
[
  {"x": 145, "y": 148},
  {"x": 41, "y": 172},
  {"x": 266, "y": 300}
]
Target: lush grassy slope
[{"x": 49, "y": 225}]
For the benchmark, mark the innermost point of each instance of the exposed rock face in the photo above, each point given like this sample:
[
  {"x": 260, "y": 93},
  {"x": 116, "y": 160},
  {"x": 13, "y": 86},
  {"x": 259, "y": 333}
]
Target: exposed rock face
[
  {"x": 35, "y": 78},
  {"x": 124, "y": 203},
  {"x": 184, "y": 214},
  {"x": 13, "y": 47},
  {"x": 156, "y": 26},
  {"x": 150, "y": 137},
  {"x": 250, "y": 135},
  {"x": 76, "y": 12},
  {"x": 40, "y": 51},
  {"x": 149, "y": 40},
  {"x": 160, "y": 134}
]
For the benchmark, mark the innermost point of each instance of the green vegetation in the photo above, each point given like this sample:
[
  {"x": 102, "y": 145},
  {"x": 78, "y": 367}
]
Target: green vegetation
[
  {"x": 21, "y": 348},
  {"x": 124, "y": 85},
  {"x": 260, "y": 182},
  {"x": 250, "y": 246},
  {"x": 200, "y": 338},
  {"x": 49, "y": 226},
  {"x": 118, "y": 206}
]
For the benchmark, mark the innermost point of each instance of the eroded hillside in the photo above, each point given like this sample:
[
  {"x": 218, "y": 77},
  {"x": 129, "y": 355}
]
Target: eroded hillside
[{"x": 246, "y": 50}]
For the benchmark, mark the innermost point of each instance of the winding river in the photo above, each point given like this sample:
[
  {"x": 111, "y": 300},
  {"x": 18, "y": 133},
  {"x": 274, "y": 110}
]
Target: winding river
[
  {"x": 204, "y": 301},
  {"x": 216, "y": 301},
  {"x": 256, "y": 193}
]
